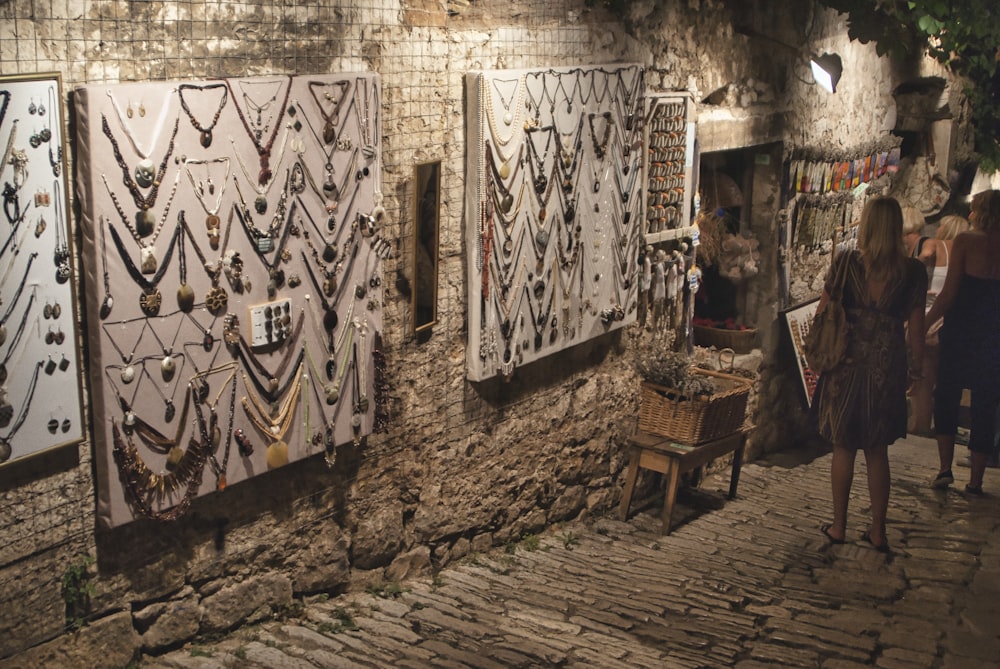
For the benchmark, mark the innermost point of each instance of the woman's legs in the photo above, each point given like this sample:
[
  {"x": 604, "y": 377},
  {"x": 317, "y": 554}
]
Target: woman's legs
[
  {"x": 922, "y": 394},
  {"x": 982, "y": 410},
  {"x": 877, "y": 459},
  {"x": 841, "y": 477}
]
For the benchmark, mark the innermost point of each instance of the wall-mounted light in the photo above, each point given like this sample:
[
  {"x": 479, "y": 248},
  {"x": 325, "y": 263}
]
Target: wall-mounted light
[{"x": 826, "y": 70}]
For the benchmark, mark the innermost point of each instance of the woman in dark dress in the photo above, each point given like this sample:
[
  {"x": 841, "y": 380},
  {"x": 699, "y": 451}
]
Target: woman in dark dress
[
  {"x": 861, "y": 403},
  {"x": 970, "y": 341}
]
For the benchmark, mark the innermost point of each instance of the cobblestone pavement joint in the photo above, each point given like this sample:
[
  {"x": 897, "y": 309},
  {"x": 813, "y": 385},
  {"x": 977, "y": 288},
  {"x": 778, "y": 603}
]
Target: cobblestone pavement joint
[{"x": 749, "y": 582}]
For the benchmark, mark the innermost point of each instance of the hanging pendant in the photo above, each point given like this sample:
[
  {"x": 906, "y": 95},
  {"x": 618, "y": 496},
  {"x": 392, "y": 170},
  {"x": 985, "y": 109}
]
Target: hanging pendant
[
  {"x": 330, "y": 189},
  {"x": 207, "y": 342},
  {"x": 243, "y": 442},
  {"x": 329, "y": 252},
  {"x": 265, "y": 244},
  {"x": 174, "y": 457},
  {"x": 330, "y": 286},
  {"x": 185, "y": 297},
  {"x": 213, "y": 238},
  {"x": 6, "y": 413},
  {"x": 330, "y": 319},
  {"x": 331, "y": 367},
  {"x": 260, "y": 204},
  {"x": 277, "y": 454},
  {"x": 145, "y": 223},
  {"x": 167, "y": 368},
  {"x": 3, "y": 334},
  {"x": 542, "y": 238},
  {"x": 216, "y": 434},
  {"x": 505, "y": 170},
  {"x": 105, "y": 310},
  {"x": 538, "y": 340},
  {"x": 145, "y": 173},
  {"x": 128, "y": 374},
  {"x": 5, "y": 448},
  {"x": 220, "y": 483},
  {"x": 216, "y": 300},
  {"x": 170, "y": 412},
  {"x": 147, "y": 259},
  {"x": 506, "y": 203},
  {"x": 201, "y": 390},
  {"x": 149, "y": 302},
  {"x": 363, "y": 405},
  {"x": 205, "y": 138},
  {"x": 212, "y": 222},
  {"x": 332, "y": 395},
  {"x": 3, "y": 372},
  {"x": 329, "y": 132},
  {"x": 130, "y": 418}
]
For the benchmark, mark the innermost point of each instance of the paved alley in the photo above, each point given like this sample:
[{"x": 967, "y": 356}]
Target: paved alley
[{"x": 749, "y": 582}]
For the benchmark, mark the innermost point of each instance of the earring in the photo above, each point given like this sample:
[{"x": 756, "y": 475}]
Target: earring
[
  {"x": 50, "y": 336},
  {"x": 32, "y": 108},
  {"x": 64, "y": 363},
  {"x": 142, "y": 109},
  {"x": 66, "y": 424},
  {"x": 41, "y": 109},
  {"x": 50, "y": 366},
  {"x": 211, "y": 186},
  {"x": 128, "y": 110},
  {"x": 47, "y": 311},
  {"x": 56, "y": 310},
  {"x": 53, "y": 425},
  {"x": 59, "y": 337}
]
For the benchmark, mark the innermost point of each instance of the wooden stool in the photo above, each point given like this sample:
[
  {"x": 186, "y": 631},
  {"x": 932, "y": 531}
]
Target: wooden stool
[{"x": 661, "y": 454}]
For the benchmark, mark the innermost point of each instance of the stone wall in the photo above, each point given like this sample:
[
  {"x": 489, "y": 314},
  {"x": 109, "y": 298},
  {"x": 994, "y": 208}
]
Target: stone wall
[{"x": 464, "y": 466}]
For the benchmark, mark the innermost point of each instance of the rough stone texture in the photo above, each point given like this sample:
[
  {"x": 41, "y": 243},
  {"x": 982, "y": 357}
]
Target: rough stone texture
[
  {"x": 464, "y": 467},
  {"x": 246, "y": 602},
  {"x": 173, "y": 622},
  {"x": 108, "y": 643}
]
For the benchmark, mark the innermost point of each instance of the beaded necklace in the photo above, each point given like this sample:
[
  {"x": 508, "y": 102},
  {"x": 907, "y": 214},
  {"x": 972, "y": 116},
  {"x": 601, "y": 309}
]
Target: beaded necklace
[
  {"x": 150, "y": 299},
  {"x": 6, "y": 409},
  {"x": 211, "y": 433},
  {"x": 55, "y": 160},
  {"x": 260, "y": 186},
  {"x": 332, "y": 119},
  {"x": 263, "y": 150},
  {"x": 142, "y": 152},
  {"x": 205, "y": 130},
  {"x": 274, "y": 424}
]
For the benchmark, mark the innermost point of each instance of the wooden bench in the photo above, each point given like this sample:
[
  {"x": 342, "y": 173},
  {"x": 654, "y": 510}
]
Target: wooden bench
[{"x": 663, "y": 455}]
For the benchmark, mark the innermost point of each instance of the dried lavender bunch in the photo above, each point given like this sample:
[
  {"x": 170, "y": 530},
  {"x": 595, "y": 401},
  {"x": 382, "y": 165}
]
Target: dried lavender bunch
[{"x": 673, "y": 370}]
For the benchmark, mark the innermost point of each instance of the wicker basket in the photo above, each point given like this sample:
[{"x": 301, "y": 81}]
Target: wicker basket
[
  {"x": 665, "y": 412},
  {"x": 741, "y": 341}
]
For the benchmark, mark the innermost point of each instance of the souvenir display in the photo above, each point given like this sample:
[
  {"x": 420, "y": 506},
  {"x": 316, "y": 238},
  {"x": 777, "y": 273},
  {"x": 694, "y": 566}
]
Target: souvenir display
[
  {"x": 40, "y": 384},
  {"x": 670, "y": 166},
  {"x": 554, "y": 204},
  {"x": 236, "y": 295}
]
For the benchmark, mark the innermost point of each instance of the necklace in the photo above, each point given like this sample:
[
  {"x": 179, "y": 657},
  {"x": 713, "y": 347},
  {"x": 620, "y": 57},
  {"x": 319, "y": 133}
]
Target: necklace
[
  {"x": 55, "y": 160},
  {"x": 486, "y": 99},
  {"x": 271, "y": 388},
  {"x": 260, "y": 186},
  {"x": 508, "y": 117},
  {"x": 150, "y": 299},
  {"x": 108, "y": 301},
  {"x": 128, "y": 369},
  {"x": 626, "y": 192},
  {"x": 142, "y": 487},
  {"x": 265, "y": 244},
  {"x": 142, "y": 152},
  {"x": 14, "y": 300},
  {"x": 363, "y": 114},
  {"x": 15, "y": 339},
  {"x": 274, "y": 424},
  {"x": 144, "y": 220},
  {"x": 205, "y": 129},
  {"x": 168, "y": 366},
  {"x": 331, "y": 119},
  {"x": 147, "y": 249},
  {"x": 327, "y": 436},
  {"x": 600, "y": 146},
  {"x": 60, "y": 255},
  {"x": 256, "y": 133},
  {"x": 263, "y": 239},
  {"x": 7, "y": 411},
  {"x": 211, "y": 433},
  {"x": 207, "y": 186}
]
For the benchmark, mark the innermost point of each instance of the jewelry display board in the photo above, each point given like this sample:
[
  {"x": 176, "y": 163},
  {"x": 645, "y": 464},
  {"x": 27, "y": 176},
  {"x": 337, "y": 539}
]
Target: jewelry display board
[
  {"x": 235, "y": 291},
  {"x": 553, "y": 208},
  {"x": 41, "y": 403},
  {"x": 798, "y": 319},
  {"x": 670, "y": 130}
]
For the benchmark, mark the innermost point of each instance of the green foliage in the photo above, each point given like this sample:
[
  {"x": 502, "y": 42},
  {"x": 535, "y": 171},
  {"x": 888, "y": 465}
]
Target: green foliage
[
  {"x": 961, "y": 34},
  {"x": 569, "y": 540},
  {"x": 530, "y": 542},
  {"x": 385, "y": 590},
  {"x": 77, "y": 589}
]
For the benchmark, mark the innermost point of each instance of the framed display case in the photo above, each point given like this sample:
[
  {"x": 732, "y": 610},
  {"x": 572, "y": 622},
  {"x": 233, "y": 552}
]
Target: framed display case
[
  {"x": 670, "y": 132},
  {"x": 41, "y": 394}
]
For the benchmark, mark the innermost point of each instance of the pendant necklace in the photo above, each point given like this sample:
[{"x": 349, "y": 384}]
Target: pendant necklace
[
  {"x": 629, "y": 96},
  {"x": 263, "y": 240},
  {"x": 130, "y": 420},
  {"x": 541, "y": 320},
  {"x": 486, "y": 100},
  {"x": 268, "y": 385},
  {"x": 168, "y": 364},
  {"x": 6, "y": 446},
  {"x": 541, "y": 182},
  {"x": 600, "y": 146},
  {"x": 144, "y": 219},
  {"x": 205, "y": 190},
  {"x": 255, "y": 134},
  {"x": 198, "y": 382},
  {"x": 205, "y": 130},
  {"x": 276, "y": 276},
  {"x": 108, "y": 302},
  {"x": 507, "y": 201},
  {"x": 150, "y": 299},
  {"x": 127, "y": 368},
  {"x": 330, "y": 190},
  {"x": 569, "y": 154},
  {"x": 14, "y": 300},
  {"x": 15, "y": 340},
  {"x": 16, "y": 244},
  {"x": 148, "y": 261},
  {"x": 273, "y": 424},
  {"x": 216, "y": 295},
  {"x": 362, "y": 111},
  {"x": 332, "y": 119},
  {"x": 142, "y": 487},
  {"x": 60, "y": 254},
  {"x": 261, "y": 187},
  {"x": 626, "y": 191},
  {"x": 356, "y": 413},
  {"x": 512, "y": 92},
  {"x": 55, "y": 160},
  {"x": 331, "y": 193},
  {"x": 326, "y": 436},
  {"x": 211, "y": 433}
]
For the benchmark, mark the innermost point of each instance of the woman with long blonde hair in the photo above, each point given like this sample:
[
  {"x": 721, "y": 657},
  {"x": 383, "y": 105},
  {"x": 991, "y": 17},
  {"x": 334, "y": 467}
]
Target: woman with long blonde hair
[{"x": 861, "y": 403}]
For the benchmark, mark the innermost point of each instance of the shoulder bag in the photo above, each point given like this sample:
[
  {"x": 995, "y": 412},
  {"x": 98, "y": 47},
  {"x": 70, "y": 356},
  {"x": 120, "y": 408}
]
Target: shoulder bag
[{"x": 826, "y": 341}]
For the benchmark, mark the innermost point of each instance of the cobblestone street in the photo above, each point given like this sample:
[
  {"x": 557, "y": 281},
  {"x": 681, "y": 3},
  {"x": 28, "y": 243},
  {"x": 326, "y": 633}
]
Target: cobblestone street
[{"x": 749, "y": 582}]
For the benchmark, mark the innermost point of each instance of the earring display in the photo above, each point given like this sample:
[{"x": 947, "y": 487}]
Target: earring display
[
  {"x": 38, "y": 337},
  {"x": 254, "y": 201},
  {"x": 669, "y": 170},
  {"x": 555, "y": 156}
]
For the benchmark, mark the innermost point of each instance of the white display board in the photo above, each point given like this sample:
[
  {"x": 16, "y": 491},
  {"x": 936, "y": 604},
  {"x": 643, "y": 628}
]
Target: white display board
[{"x": 554, "y": 206}]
